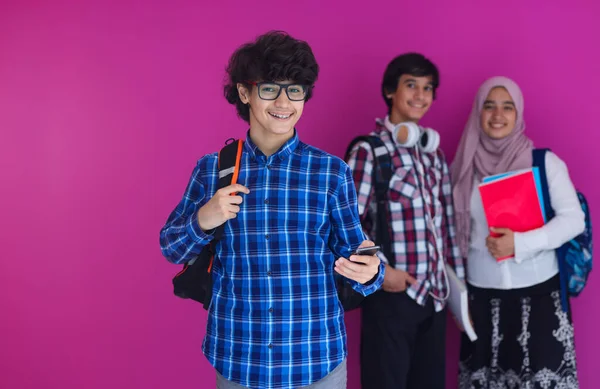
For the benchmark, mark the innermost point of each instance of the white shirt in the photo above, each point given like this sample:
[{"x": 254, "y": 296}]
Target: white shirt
[{"x": 535, "y": 258}]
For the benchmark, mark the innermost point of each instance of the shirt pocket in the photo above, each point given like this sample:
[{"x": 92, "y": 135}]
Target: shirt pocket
[{"x": 403, "y": 187}]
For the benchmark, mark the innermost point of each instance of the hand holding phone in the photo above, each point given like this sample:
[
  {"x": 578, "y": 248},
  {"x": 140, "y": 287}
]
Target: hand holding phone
[{"x": 365, "y": 257}]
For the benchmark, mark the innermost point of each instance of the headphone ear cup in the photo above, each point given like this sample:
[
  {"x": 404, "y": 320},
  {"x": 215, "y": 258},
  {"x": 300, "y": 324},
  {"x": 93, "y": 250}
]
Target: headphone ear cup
[
  {"x": 430, "y": 140},
  {"x": 413, "y": 133}
]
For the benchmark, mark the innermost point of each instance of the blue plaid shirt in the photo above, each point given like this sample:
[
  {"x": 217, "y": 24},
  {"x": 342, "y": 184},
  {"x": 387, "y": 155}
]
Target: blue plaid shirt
[{"x": 275, "y": 320}]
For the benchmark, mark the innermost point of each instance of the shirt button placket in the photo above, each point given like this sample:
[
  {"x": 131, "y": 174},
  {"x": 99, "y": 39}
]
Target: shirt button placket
[{"x": 267, "y": 238}]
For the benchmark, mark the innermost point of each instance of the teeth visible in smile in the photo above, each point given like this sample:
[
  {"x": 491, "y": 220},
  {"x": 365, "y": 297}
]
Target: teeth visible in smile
[
  {"x": 417, "y": 105},
  {"x": 279, "y": 116},
  {"x": 497, "y": 125}
]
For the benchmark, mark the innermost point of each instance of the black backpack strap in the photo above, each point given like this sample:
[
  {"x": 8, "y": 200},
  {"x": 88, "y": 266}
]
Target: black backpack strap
[
  {"x": 229, "y": 167},
  {"x": 382, "y": 161},
  {"x": 195, "y": 280},
  {"x": 382, "y": 173}
]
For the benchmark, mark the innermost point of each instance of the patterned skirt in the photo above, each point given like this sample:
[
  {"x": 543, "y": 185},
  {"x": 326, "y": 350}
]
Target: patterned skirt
[{"x": 525, "y": 340}]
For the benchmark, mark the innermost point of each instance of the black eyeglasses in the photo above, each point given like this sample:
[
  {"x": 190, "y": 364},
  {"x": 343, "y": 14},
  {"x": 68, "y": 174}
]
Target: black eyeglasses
[{"x": 272, "y": 90}]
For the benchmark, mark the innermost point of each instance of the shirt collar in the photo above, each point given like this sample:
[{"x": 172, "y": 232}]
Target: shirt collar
[{"x": 284, "y": 151}]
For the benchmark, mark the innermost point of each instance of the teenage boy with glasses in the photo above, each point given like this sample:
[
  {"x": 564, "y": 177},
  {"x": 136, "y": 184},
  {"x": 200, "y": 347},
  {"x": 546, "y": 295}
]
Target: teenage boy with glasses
[{"x": 275, "y": 320}]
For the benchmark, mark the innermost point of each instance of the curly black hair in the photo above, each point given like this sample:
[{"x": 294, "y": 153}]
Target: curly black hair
[
  {"x": 274, "y": 56},
  {"x": 414, "y": 64}
]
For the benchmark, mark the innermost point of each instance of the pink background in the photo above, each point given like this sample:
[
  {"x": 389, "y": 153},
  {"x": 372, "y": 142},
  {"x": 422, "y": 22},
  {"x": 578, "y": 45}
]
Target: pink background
[{"x": 104, "y": 109}]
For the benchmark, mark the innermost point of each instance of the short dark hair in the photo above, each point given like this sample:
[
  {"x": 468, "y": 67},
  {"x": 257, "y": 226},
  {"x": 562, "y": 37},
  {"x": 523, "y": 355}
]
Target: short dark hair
[
  {"x": 274, "y": 56},
  {"x": 414, "y": 64}
]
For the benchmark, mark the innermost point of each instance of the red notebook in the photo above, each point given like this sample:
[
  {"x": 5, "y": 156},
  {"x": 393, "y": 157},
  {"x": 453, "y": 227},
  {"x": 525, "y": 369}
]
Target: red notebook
[{"x": 512, "y": 201}]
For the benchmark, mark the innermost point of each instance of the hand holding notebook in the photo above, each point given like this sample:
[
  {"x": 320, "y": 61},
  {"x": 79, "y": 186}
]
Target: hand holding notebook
[{"x": 501, "y": 243}]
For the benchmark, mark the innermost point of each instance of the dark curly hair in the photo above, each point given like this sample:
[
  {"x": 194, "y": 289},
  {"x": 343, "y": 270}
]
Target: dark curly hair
[
  {"x": 414, "y": 64},
  {"x": 274, "y": 56}
]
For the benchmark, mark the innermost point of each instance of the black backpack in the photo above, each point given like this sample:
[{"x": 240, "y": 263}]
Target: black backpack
[
  {"x": 382, "y": 170},
  {"x": 195, "y": 280}
]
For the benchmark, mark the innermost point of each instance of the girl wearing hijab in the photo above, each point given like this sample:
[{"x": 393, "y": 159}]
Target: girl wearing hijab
[{"x": 525, "y": 339}]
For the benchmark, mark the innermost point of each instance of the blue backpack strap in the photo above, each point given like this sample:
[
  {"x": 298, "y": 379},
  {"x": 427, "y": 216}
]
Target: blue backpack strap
[{"x": 539, "y": 160}]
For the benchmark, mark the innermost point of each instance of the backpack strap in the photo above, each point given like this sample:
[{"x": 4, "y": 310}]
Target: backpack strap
[
  {"x": 229, "y": 168},
  {"x": 195, "y": 280},
  {"x": 382, "y": 173},
  {"x": 539, "y": 161}
]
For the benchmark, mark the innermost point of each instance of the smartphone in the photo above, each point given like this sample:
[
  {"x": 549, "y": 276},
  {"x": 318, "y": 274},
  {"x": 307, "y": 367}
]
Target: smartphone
[{"x": 367, "y": 250}]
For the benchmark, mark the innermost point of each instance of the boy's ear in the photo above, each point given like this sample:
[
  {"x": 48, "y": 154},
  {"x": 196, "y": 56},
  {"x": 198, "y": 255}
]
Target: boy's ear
[
  {"x": 243, "y": 92},
  {"x": 389, "y": 94}
]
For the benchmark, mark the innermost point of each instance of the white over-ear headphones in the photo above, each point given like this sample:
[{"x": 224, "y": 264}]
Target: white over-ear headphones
[{"x": 427, "y": 138}]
